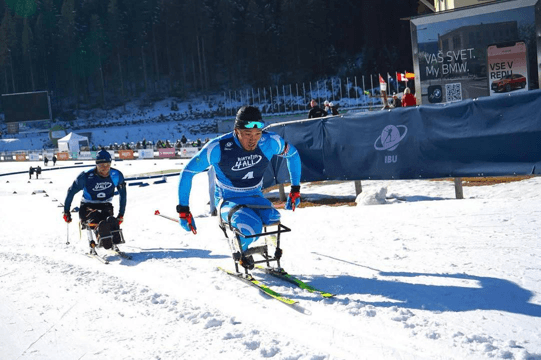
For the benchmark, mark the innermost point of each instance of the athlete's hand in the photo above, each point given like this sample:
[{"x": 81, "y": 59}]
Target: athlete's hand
[
  {"x": 67, "y": 217},
  {"x": 294, "y": 198},
  {"x": 186, "y": 219}
]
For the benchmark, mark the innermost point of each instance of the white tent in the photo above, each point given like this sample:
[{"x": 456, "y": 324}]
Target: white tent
[{"x": 72, "y": 142}]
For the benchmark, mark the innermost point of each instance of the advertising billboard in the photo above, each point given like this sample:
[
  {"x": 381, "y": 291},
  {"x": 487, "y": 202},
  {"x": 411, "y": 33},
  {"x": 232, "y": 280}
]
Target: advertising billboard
[
  {"x": 62, "y": 156},
  {"x": 146, "y": 154},
  {"x": 464, "y": 53},
  {"x": 23, "y": 107},
  {"x": 166, "y": 153},
  {"x": 188, "y": 153},
  {"x": 125, "y": 154},
  {"x": 507, "y": 66}
]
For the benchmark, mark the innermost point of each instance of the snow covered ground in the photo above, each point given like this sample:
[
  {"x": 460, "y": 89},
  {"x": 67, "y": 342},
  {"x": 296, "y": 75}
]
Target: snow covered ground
[{"x": 422, "y": 276}]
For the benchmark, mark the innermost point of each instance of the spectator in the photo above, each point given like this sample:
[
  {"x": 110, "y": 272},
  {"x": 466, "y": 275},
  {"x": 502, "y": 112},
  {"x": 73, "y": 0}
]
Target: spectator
[
  {"x": 54, "y": 160},
  {"x": 385, "y": 100},
  {"x": 396, "y": 101},
  {"x": 183, "y": 140},
  {"x": 333, "y": 109},
  {"x": 316, "y": 111},
  {"x": 30, "y": 172},
  {"x": 45, "y": 160},
  {"x": 408, "y": 99},
  {"x": 38, "y": 171},
  {"x": 327, "y": 106}
]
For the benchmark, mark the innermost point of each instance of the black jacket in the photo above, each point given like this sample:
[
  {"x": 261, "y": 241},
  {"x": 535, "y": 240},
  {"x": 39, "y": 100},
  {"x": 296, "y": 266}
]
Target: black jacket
[{"x": 316, "y": 112}]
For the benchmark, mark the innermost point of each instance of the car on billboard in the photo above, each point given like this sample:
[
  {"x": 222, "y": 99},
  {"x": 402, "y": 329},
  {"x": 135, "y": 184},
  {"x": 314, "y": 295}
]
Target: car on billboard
[{"x": 509, "y": 82}]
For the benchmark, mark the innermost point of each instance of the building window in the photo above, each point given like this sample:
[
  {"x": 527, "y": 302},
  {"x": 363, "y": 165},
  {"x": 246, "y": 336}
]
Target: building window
[{"x": 456, "y": 42}]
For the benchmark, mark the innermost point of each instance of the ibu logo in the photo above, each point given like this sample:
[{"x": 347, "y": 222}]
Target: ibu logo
[
  {"x": 390, "y": 137},
  {"x": 389, "y": 159}
]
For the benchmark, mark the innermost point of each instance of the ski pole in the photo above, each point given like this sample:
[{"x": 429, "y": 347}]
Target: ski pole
[
  {"x": 157, "y": 212},
  {"x": 68, "y": 233}
]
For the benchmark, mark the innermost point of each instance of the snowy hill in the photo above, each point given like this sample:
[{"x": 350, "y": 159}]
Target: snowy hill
[{"x": 131, "y": 123}]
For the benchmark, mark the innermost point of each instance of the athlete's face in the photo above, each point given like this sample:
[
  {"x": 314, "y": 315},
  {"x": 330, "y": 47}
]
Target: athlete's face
[
  {"x": 103, "y": 169},
  {"x": 249, "y": 138}
]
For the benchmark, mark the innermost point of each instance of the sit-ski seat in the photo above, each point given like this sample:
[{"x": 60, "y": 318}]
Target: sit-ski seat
[
  {"x": 107, "y": 233},
  {"x": 245, "y": 258}
]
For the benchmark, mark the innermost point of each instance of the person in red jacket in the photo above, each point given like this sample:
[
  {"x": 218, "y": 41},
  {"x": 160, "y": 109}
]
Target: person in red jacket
[{"x": 408, "y": 99}]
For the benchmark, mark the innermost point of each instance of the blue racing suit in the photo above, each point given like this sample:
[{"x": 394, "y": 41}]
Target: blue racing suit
[
  {"x": 239, "y": 179},
  {"x": 97, "y": 189}
]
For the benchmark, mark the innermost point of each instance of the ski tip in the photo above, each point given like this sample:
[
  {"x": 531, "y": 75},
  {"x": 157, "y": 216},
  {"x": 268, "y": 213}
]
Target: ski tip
[
  {"x": 301, "y": 309},
  {"x": 157, "y": 212}
]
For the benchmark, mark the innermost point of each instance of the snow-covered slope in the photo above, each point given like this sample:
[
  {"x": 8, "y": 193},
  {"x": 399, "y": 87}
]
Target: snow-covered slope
[{"x": 421, "y": 276}]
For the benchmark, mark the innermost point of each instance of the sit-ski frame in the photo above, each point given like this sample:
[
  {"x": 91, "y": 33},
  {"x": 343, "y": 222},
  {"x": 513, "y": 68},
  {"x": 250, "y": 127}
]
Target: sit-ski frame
[
  {"x": 91, "y": 227},
  {"x": 262, "y": 249}
]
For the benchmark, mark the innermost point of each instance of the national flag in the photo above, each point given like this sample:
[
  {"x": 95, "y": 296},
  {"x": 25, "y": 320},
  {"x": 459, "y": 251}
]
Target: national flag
[
  {"x": 410, "y": 75},
  {"x": 381, "y": 81},
  {"x": 401, "y": 77}
]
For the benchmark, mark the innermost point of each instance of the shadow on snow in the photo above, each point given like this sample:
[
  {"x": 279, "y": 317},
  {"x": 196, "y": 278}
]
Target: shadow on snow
[
  {"x": 482, "y": 293},
  {"x": 161, "y": 253}
]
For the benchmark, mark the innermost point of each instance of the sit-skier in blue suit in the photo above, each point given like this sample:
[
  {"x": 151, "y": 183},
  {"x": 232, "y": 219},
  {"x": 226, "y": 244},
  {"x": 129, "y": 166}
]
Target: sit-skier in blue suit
[{"x": 240, "y": 159}]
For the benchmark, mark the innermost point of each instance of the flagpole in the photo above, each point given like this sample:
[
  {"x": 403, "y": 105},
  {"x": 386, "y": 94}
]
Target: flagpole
[
  {"x": 406, "y": 81},
  {"x": 379, "y": 81},
  {"x": 372, "y": 86}
]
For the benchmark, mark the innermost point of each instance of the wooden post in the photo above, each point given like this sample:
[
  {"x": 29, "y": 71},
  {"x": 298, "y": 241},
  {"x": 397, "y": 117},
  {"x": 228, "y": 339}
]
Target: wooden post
[
  {"x": 282, "y": 192},
  {"x": 358, "y": 188},
  {"x": 458, "y": 188}
]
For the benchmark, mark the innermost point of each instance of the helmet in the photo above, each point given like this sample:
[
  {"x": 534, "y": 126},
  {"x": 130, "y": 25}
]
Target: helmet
[
  {"x": 330, "y": 104},
  {"x": 249, "y": 117},
  {"x": 103, "y": 157},
  {"x": 326, "y": 103}
]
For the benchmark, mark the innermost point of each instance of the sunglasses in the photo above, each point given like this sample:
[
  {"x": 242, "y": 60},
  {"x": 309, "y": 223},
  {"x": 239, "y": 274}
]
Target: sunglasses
[{"x": 254, "y": 125}]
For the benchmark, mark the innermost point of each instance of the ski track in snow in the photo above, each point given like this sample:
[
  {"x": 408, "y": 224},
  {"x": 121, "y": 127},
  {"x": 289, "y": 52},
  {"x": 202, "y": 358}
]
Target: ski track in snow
[{"x": 423, "y": 276}]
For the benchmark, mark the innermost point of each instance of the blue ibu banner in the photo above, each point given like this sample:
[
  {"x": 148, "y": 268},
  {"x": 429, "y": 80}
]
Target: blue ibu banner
[{"x": 491, "y": 136}]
